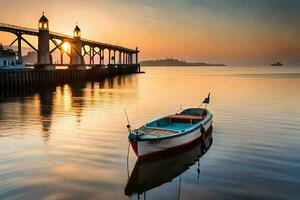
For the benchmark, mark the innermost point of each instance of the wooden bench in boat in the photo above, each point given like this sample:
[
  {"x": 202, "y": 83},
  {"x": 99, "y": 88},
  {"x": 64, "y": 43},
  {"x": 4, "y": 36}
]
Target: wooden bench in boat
[
  {"x": 158, "y": 132},
  {"x": 173, "y": 124}
]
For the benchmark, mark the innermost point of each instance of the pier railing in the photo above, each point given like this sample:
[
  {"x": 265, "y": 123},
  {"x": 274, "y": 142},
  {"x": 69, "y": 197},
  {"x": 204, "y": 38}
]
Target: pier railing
[{"x": 55, "y": 35}]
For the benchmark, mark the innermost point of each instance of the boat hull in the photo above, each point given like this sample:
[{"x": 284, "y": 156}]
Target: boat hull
[{"x": 149, "y": 148}]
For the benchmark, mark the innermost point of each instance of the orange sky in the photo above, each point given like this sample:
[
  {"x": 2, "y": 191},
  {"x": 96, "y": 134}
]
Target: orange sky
[{"x": 230, "y": 33}]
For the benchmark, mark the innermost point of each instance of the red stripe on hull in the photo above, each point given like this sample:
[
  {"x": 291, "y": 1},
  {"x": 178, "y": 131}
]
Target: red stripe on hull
[{"x": 134, "y": 147}]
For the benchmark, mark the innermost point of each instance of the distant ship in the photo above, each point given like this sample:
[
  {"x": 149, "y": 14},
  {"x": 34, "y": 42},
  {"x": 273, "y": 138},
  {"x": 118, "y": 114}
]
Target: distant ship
[
  {"x": 174, "y": 62},
  {"x": 8, "y": 59},
  {"x": 277, "y": 64}
]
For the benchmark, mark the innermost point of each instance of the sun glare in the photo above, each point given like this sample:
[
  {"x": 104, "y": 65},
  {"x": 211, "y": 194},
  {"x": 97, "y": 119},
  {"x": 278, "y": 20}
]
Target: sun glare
[{"x": 66, "y": 47}]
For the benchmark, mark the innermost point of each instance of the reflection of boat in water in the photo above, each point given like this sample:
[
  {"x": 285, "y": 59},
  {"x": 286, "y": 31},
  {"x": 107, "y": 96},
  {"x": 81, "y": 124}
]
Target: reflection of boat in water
[{"x": 151, "y": 173}]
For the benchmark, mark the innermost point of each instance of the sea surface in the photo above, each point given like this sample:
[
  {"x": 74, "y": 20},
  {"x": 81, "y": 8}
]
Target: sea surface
[{"x": 70, "y": 141}]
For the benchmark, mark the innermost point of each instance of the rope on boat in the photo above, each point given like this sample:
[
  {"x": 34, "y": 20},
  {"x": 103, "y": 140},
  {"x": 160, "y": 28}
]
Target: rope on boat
[
  {"x": 129, "y": 130},
  {"x": 128, "y": 159}
]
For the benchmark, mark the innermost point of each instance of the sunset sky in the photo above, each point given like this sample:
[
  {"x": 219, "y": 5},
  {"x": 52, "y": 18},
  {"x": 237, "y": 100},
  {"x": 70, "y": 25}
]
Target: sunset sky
[{"x": 234, "y": 32}]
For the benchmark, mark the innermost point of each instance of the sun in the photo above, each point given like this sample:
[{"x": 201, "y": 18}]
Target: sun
[{"x": 66, "y": 47}]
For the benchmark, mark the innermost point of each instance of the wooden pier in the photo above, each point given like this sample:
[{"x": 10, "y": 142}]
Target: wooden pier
[{"x": 87, "y": 58}]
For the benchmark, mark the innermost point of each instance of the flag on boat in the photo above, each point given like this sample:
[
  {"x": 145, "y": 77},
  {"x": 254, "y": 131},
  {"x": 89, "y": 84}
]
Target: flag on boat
[{"x": 207, "y": 99}]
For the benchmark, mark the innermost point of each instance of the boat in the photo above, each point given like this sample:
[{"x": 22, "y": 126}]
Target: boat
[
  {"x": 8, "y": 60},
  {"x": 171, "y": 132},
  {"x": 149, "y": 174},
  {"x": 277, "y": 64}
]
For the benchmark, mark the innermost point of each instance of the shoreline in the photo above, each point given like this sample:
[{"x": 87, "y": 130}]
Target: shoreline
[{"x": 217, "y": 65}]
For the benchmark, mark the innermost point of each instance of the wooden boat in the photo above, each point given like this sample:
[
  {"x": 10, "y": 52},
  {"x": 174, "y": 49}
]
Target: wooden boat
[
  {"x": 151, "y": 173},
  {"x": 170, "y": 132}
]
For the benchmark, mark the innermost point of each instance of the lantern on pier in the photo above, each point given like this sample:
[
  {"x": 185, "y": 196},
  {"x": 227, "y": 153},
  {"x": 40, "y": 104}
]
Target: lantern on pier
[
  {"x": 76, "y": 49},
  {"x": 44, "y": 60},
  {"x": 43, "y": 23},
  {"x": 77, "y": 32}
]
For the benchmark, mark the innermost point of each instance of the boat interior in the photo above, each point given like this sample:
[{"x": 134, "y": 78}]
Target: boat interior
[{"x": 175, "y": 123}]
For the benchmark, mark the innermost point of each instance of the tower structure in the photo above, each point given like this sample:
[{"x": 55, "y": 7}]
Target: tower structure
[
  {"x": 44, "y": 58},
  {"x": 76, "y": 58}
]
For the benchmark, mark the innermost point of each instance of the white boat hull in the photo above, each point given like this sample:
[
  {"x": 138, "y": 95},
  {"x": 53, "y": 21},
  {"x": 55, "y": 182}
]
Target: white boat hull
[{"x": 146, "y": 148}]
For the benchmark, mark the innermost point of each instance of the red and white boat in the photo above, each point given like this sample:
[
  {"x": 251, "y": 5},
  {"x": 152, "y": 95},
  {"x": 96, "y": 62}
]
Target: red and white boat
[{"x": 171, "y": 132}]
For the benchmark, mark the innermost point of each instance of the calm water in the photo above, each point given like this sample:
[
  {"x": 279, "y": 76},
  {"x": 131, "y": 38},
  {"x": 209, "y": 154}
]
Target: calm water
[{"x": 70, "y": 142}]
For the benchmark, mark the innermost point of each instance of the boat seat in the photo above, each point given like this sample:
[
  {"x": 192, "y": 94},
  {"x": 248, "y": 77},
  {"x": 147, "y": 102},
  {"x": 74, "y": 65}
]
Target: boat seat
[{"x": 185, "y": 119}]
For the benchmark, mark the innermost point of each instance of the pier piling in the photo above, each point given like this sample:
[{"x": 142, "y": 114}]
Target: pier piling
[{"x": 19, "y": 79}]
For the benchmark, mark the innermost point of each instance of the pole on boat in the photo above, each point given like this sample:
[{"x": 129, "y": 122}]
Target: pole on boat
[
  {"x": 180, "y": 110},
  {"x": 206, "y": 101},
  {"x": 128, "y": 123}
]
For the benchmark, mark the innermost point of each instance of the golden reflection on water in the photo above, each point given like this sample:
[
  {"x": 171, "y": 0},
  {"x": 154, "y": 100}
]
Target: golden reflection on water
[{"x": 71, "y": 142}]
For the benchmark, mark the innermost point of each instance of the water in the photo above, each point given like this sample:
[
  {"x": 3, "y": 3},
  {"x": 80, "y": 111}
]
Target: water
[{"x": 70, "y": 142}]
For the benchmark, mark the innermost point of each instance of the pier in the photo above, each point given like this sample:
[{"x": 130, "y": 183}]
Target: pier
[{"x": 119, "y": 60}]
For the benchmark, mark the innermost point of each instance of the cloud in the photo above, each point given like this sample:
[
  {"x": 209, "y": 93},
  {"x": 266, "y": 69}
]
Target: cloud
[
  {"x": 152, "y": 9},
  {"x": 148, "y": 19}
]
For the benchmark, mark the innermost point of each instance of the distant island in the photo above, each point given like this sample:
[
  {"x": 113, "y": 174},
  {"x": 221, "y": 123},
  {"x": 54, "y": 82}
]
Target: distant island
[{"x": 175, "y": 62}]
